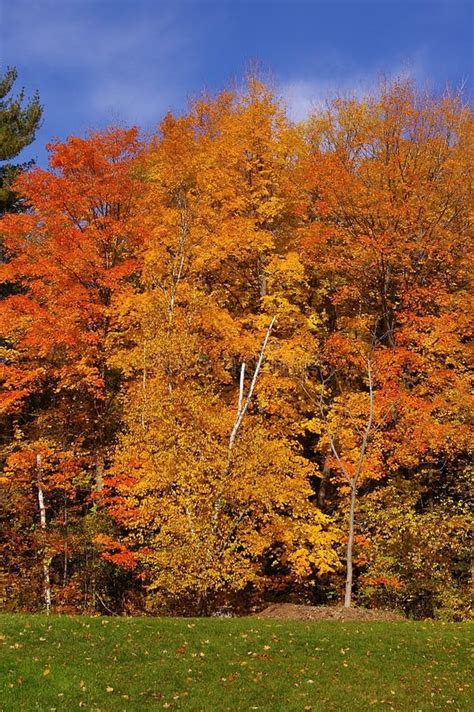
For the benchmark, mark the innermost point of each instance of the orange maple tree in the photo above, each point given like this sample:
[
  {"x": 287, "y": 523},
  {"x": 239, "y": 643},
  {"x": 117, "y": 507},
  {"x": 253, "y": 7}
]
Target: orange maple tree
[{"x": 67, "y": 257}]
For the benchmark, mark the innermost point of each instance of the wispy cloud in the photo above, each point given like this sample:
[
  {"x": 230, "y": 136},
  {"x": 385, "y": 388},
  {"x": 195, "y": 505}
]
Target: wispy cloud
[
  {"x": 102, "y": 62},
  {"x": 304, "y": 95},
  {"x": 114, "y": 70}
]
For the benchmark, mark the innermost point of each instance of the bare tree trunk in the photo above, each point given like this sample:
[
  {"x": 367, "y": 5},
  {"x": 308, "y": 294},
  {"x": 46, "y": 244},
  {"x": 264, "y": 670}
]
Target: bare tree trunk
[
  {"x": 350, "y": 544},
  {"x": 203, "y": 605},
  {"x": 352, "y": 479},
  {"x": 42, "y": 511},
  {"x": 242, "y": 407}
]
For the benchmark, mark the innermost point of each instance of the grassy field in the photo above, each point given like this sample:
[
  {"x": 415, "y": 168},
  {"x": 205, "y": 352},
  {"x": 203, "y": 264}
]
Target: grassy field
[{"x": 63, "y": 663}]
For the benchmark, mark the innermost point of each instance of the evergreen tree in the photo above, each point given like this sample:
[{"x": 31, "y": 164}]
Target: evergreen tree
[{"x": 19, "y": 122}]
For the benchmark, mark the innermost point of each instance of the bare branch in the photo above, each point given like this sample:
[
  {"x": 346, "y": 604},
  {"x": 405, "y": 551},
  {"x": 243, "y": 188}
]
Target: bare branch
[
  {"x": 243, "y": 409},
  {"x": 368, "y": 427},
  {"x": 42, "y": 511}
]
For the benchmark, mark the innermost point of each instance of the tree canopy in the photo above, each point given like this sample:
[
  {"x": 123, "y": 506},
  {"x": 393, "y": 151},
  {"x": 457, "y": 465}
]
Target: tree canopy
[{"x": 229, "y": 339}]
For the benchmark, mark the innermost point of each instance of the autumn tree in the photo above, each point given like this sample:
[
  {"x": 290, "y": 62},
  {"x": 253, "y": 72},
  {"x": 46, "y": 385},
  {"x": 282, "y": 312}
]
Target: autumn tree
[
  {"x": 209, "y": 479},
  {"x": 387, "y": 246},
  {"x": 18, "y": 126},
  {"x": 69, "y": 255},
  {"x": 235, "y": 356},
  {"x": 418, "y": 535}
]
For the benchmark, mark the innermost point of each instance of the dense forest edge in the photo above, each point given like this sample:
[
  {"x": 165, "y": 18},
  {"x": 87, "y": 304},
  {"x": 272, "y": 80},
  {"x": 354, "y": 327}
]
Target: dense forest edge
[{"x": 235, "y": 358}]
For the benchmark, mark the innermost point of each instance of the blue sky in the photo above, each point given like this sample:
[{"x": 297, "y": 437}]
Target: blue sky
[{"x": 97, "y": 62}]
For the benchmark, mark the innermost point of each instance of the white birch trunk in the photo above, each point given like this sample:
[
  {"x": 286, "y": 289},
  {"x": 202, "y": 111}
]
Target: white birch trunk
[
  {"x": 353, "y": 480},
  {"x": 242, "y": 407},
  {"x": 42, "y": 511}
]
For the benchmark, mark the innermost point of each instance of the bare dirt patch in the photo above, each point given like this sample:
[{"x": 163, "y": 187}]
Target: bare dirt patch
[{"x": 293, "y": 611}]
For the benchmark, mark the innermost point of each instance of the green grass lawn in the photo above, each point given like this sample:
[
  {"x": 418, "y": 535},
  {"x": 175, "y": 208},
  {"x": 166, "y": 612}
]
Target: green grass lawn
[{"x": 64, "y": 663}]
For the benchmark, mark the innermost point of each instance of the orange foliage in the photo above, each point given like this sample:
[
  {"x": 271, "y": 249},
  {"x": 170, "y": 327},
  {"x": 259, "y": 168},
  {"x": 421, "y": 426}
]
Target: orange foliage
[{"x": 137, "y": 292}]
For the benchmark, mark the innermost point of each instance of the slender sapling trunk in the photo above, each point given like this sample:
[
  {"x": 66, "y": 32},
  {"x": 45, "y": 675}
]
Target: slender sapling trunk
[{"x": 42, "y": 511}]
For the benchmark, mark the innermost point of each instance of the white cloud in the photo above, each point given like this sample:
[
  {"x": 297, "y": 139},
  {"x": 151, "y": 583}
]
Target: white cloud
[
  {"x": 104, "y": 61},
  {"x": 302, "y": 96},
  {"x": 114, "y": 70}
]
